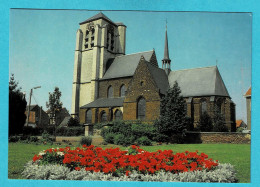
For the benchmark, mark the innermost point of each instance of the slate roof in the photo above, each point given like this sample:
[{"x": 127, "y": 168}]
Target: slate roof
[
  {"x": 105, "y": 102},
  {"x": 98, "y": 16},
  {"x": 199, "y": 82},
  {"x": 31, "y": 107},
  {"x": 159, "y": 77},
  {"x": 125, "y": 65},
  {"x": 65, "y": 121}
]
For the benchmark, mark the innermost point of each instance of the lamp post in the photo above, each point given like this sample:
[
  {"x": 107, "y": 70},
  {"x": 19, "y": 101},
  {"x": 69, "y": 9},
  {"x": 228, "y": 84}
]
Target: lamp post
[{"x": 28, "y": 111}]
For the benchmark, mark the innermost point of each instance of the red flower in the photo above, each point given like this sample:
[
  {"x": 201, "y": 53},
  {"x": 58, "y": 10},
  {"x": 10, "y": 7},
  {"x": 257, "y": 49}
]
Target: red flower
[{"x": 77, "y": 168}]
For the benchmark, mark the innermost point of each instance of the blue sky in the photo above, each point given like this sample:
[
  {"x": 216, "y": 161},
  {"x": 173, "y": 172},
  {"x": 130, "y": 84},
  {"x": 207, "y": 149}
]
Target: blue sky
[{"x": 42, "y": 44}]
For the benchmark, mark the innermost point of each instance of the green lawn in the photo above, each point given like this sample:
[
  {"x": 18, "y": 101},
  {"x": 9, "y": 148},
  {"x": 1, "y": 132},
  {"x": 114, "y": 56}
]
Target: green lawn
[{"x": 236, "y": 154}]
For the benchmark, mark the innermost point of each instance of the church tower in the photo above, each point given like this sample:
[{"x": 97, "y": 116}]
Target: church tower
[
  {"x": 97, "y": 40},
  {"x": 166, "y": 62}
]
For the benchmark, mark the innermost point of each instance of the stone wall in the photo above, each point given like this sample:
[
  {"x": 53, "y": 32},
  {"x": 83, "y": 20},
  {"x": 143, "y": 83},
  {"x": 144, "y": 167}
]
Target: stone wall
[{"x": 219, "y": 137}]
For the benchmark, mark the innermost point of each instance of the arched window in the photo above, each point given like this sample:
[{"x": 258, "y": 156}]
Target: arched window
[
  {"x": 118, "y": 115},
  {"x": 219, "y": 105},
  {"x": 141, "y": 108},
  {"x": 203, "y": 106},
  {"x": 122, "y": 91},
  {"x": 110, "y": 92},
  {"x": 88, "y": 117},
  {"x": 103, "y": 116}
]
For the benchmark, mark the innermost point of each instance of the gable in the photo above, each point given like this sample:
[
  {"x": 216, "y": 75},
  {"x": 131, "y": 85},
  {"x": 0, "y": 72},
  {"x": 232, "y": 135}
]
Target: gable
[
  {"x": 143, "y": 83},
  {"x": 125, "y": 65},
  {"x": 199, "y": 82}
]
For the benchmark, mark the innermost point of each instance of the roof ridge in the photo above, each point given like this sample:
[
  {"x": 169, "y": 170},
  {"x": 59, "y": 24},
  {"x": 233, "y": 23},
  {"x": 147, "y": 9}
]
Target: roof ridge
[
  {"x": 133, "y": 54},
  {"x": 194, "y": 68}
]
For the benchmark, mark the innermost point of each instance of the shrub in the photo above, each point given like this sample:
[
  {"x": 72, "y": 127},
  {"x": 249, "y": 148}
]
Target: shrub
[
  {"x": 144, "y": 141},
  {"x": 70, "y": 131},
  {"x": 73, "y": 122},
  {"x": 13, "y": 139},
  {"x": 119, "y": 139},
  {"x": 109, "y": 138},
  {"x": 86, "y": 140},
  {"x": 32, "y": 131},
  {"x": 240, "y": 129},
  {"x": 139, "y": 130},
  {"x": 46, "y": 137}
]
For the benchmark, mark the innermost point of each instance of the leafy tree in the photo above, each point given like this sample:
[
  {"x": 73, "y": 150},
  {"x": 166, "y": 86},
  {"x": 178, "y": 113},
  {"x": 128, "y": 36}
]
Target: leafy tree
[
  {"x": 17, "y": 107},
  {"x": 219, "y": 122},
  {"x": 205, "y": 123},
  {"x": 172, "y": 120},
  {"x": 55, "y": 106}
]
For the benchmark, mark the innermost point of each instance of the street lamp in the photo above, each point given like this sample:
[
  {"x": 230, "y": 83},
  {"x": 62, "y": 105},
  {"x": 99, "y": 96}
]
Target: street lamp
[{"x": 28, "y": 111}]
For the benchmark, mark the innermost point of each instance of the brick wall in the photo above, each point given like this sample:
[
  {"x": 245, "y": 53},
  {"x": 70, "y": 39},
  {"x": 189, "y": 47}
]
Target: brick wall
[
  {"x": 142, "y": 86},
  {"x": 219, "y": 137},
  {"x": 116, "y": 85}
]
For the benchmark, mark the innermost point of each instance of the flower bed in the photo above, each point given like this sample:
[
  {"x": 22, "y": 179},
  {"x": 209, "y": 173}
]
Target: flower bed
[{"x": 94, "y": 163}]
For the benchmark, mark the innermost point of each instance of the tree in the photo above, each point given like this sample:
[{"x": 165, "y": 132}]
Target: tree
[
  {"x": 219, "y": 122},
  {"x": 55, "y": 106},
  {"x": 17, "y": 107},
  {"x": 172, "y": 120},
  {"x": 205, "y": 123}
]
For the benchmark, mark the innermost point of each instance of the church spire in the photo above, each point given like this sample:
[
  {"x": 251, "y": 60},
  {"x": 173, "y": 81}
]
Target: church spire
[{"x": 166, "y": 62}]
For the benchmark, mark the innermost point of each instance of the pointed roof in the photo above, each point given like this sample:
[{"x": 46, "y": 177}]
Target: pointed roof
[
  {"x": 100, "y": 15},
  {"x": 248, "y": 93},
  {"x": 166, "y": 50},
  {"x": 205, "y": 81},
  {"x": 125, "y": 65}
]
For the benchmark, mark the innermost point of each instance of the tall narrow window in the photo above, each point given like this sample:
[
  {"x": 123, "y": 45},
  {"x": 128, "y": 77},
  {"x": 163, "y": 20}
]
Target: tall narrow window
[
  {"x": 103, "y": 116},
  {"x": 89, "y": 116},
  {"x": 122, "y": 91},
  {"x": 110, "y": 92},
  {"x": 141, "y": 105},
  {"x": 118, "y": 115},
  {"x": 203, "y": 106}
]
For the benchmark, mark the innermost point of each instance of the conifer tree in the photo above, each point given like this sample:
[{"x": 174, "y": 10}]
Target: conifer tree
[
  {"x": 17, "y": 107},
  {"x": 172, "y": 120}
]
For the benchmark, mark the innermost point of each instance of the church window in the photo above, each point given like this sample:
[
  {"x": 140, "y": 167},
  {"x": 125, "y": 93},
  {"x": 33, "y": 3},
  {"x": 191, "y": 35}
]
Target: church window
[
  {"x": 118, "y": 115},
  {"x": 141, "y": 105},
  {"x": 93, "y": 31},
  {"x": 122, "y": 91},
  {"x": 103, "y": 116},
  {"x": 86, "y": 45},
  {"x": 92, "y": 45},
  {"x": 203, "y": 106},
  {"x": 87, "y": 32},
  {"x": 110, "y": 92},
  {"x": 142, "y": 83},
  {"x": 88, "y": 116}
]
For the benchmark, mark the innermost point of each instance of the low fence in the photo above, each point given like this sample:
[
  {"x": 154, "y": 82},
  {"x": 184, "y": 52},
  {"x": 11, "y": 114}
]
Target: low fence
[{"x": 219, "y": 137}]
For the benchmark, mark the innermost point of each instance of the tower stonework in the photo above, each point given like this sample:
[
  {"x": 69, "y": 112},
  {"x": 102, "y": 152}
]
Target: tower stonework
[{"x": 97, "y": 40}]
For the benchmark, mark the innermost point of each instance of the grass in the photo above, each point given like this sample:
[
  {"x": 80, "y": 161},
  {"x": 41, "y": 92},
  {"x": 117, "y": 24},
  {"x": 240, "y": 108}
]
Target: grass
[{"x": 235, "y": 154}]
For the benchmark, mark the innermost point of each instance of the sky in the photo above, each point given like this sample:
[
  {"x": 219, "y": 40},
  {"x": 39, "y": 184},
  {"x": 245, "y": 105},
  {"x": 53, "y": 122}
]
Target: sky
[{"x": 42, "y": 44}]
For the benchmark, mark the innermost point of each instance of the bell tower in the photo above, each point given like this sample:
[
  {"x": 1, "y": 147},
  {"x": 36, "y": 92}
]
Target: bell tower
[
  {"x": 166, "y": 62},
  {"x": 97, "y": 40}
]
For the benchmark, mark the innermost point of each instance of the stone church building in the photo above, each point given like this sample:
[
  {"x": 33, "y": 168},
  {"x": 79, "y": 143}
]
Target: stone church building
[{"x": 110, "y": 85}]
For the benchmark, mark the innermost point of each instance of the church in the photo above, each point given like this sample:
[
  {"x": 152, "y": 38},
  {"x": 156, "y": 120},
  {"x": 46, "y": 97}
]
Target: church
[{"x": 110, "y": 85}]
